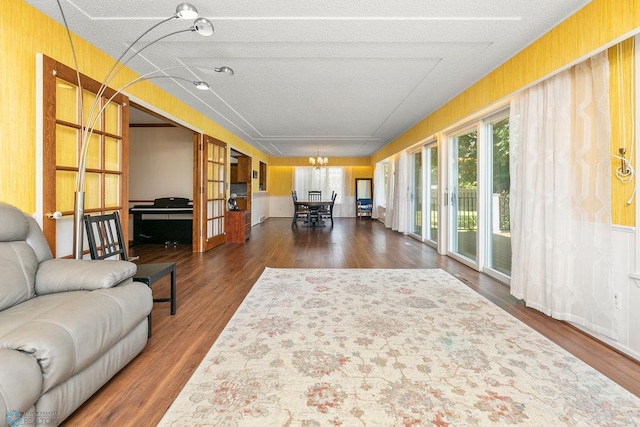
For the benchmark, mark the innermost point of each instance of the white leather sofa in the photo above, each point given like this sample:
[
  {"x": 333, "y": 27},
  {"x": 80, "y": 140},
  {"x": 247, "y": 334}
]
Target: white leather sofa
[{"x": 66, "y": 326}]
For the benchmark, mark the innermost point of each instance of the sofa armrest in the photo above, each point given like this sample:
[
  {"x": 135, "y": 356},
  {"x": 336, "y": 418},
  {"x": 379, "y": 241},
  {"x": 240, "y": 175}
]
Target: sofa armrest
[
  {"x": 20, "y": 382},
  {"x": 61, "y": 275}
]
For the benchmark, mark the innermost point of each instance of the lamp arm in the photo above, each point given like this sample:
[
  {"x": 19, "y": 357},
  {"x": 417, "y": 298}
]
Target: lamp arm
[
  {"x": 75, "y": 59},
  {"x": 88, "y": 132},
  {"x": 114, "y": 71},
  {"x": 134, "y": 43},
  {"x": 112, "y": 74}
]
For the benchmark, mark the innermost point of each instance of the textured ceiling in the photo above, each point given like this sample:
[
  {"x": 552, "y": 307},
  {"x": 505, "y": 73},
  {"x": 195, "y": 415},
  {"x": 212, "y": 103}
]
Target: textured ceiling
[{"x": 343, "y": 77}]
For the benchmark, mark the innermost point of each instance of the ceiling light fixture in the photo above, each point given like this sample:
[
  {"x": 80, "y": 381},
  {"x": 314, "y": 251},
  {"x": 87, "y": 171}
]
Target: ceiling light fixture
[
  {"x": 224, "y": 69},
  {"x": 202, "y": 26},
  {"x": 186, "y": 11},
  {"x": 318, "y": 161},
  {"x": 183, "y": 11}
]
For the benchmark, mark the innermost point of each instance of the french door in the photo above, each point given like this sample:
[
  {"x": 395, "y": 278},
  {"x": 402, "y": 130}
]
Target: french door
[
  {"x": 65, "y": 111},
  {"x": 212, "y": 164}
]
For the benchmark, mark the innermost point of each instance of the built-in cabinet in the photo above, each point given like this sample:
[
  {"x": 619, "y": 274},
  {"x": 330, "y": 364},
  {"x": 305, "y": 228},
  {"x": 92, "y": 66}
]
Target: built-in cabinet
[
  {"x": 240, "y": 178},
  {"x": 238, "y": 226},
  {"x": 241, "y": 171}
]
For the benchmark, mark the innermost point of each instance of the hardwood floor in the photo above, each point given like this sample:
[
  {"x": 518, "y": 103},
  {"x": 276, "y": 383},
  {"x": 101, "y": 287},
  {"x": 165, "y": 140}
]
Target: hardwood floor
[{"x": 212, "y": 285}]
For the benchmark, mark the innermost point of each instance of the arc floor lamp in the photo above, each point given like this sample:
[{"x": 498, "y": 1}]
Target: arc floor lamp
[{"x": 200, "y": 25}]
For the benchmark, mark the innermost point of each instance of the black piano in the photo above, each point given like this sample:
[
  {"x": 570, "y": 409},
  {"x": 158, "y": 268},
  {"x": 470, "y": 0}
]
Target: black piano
[{"x": 168, "y": 220}]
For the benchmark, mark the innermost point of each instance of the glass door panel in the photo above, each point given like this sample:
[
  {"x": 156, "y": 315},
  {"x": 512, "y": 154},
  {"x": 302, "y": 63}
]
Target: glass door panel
[
  {"x": 215, "y": 164},
  {"x": 464, "y": 195},
  {"x": 432, "y": 193},
  {"x": 416, "y": 195},
  {"x": 499, "y": 258}
]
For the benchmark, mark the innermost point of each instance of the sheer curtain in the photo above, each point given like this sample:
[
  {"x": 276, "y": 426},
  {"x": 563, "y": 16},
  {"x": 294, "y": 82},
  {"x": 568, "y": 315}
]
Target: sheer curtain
[
  {"x": 561, "y": 197},
  {"x": 327, "y": 179},
  {"x": 379, "y": 190},
  {"x": 397, "y": 217}
]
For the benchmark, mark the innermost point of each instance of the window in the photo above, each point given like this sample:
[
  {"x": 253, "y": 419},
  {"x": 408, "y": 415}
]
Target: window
[{"x": 325, "y": 179}]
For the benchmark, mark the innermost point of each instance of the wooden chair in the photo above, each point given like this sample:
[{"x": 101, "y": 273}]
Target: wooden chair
[
  {"x": 364, "y": 207},
  {"x": 327, "y": 211},
  {"x": 299, "y": 211},
  {"x": 104, "y": 233}
]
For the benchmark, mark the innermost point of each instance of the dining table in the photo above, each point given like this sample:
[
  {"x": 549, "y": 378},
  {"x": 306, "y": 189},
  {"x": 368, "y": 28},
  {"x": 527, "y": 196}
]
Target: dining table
[{"x": 315, "y": 220}]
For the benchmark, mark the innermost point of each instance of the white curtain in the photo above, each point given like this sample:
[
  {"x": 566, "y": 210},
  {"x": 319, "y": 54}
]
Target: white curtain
[
  {"x": 561, "y": 197},
  {"x": 397, "y": 217},
  {"x": 327, "y": 179},
  {"x": 379, "y": 190}
]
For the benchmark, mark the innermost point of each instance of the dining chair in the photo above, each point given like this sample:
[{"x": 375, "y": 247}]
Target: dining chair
[
  {"x": 104, "y": 234},
  {"x": 364, "y": 207},
  {"x": 300, "y": 212},
  {"x": 315, "y": 195},
  {"x": 326, "y": 211}
]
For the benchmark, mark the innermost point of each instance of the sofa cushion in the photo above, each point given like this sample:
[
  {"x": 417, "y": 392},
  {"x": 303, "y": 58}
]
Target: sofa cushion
[
  {"x": 20, "y": 381},
  {"x": 16, "y": 316},
  {"x": 62, "y": 275},
  {"x": 18, "y": 264},
  {"x": 77, "y": 330},
  {"x": 14, "y": 226}
]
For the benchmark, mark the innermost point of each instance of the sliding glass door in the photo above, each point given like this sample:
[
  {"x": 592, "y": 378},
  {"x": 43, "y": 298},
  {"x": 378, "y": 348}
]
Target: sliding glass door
[
  {"x": 415, "y": 196},
  {"x": 499, "y": 235},
  {"x": 478, "y": 196},
  {"x": 432, "y": 193},
  {"x": 463, "y": 192}
]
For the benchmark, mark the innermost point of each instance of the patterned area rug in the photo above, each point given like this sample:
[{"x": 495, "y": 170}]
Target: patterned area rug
[{"x": 358, "y": 347}]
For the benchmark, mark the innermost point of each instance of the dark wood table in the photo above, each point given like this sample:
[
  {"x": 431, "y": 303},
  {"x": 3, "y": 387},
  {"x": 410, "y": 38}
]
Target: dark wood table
[{"x": 314, "y": 206}]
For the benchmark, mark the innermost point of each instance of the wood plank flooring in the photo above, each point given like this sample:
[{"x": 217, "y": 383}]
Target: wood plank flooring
[{"x": 212, "y": 285}]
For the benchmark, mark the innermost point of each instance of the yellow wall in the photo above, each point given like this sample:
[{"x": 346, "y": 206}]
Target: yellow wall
[
  {"x": 281, "y": 171},
  {"x": 24, "y": 31},
  {"x": 281, "y": 177},
  {"x": 623, "y": 101},
  {"x": 598, "y": 24},
  {"x": 333, "y": 161}
]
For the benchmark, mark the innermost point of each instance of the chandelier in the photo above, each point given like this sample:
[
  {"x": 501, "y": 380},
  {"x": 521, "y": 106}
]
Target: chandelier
[{"x": 318, "y": 161}]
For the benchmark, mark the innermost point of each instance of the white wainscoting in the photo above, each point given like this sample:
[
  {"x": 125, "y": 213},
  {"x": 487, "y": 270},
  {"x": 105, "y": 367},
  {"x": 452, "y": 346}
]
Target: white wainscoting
[
  {"x": 259, "y": 207},
  {"x": 628, "y": 315}
]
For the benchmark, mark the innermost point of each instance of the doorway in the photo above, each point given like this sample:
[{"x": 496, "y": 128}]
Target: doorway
[{"x": 240, "y": 171}]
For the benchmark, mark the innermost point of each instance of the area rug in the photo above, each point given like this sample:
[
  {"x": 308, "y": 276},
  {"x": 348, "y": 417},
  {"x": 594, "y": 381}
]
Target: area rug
[{"x": 374, "y": 347}]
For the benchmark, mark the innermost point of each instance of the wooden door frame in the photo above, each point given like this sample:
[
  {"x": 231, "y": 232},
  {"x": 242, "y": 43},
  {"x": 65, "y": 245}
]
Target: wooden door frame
[
  {"x": 199, "y": 191},
  {"x": 196, "y": 232},
  {"x": 201, "y": 170}
]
